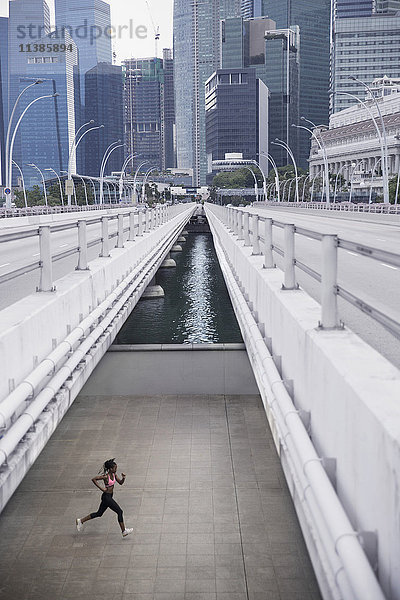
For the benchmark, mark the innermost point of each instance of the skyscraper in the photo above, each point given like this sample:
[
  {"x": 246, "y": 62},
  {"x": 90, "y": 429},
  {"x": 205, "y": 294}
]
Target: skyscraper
[
  {"x": 87, "y": 23},
  {"x": 196, "y": 57},
  {"x": 251, "y": 9},
  {"x": 274, "y": 56},
  {"x": 149, "y": 110},
  {"x": 104, "y": 104},
  {"x": 236, "y": 115},
  {"x": 313, "y": 19}
]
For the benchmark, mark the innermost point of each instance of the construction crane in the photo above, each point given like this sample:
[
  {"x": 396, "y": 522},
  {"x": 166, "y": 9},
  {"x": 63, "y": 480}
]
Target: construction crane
[{"x": 156, "y": 29}]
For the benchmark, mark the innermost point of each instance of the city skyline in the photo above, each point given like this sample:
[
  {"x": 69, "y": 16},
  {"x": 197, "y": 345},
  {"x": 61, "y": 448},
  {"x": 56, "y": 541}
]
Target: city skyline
[{"x": 142, "y": 46}]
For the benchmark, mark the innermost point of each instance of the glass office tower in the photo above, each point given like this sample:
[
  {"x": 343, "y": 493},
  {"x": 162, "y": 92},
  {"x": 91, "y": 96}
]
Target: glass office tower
[
  {"x": 196, "y": 56},
  {"x": 48, "y": 128},
  {"x": 313, "y": 19},
  {"x": 236, "y": 115},
  {"x": 149, "y": 110},
  {"x": 104, "y": 104},
  {"x": 86, "y": 22}
]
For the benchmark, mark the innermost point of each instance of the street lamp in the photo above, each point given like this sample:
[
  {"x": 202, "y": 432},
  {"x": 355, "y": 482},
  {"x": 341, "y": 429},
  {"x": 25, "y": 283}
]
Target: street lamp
[
  {"x": 336, "y": 180},
  {"x": 8, "y": 161},
  {"x": 43, "y": 181},
  {"x": 145, "y": 162},
  {"x": 73, "y": 149},
  {"x": 322, "y": 147},
  {"x": 84, "y": 185},
  {"x": 273, "y": 163},
  {"x": 382, "y": 141},
  {"x": 121, "y": 181},
  {"x": 372, "y": 178},
  {"x": 354, "y": 165},
  {"x": 11, "y": 147},
  {"x": 59, "y": 183},
  {"x": 23, "y": 182},
  {"x": 284, "y": 145},
  {"x": 111, "y": 148}
]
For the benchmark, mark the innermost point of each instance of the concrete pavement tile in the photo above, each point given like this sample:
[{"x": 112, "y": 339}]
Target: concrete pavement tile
[
  {"x": 171, "y": 586},
  {"x": 139, "y": 586}
]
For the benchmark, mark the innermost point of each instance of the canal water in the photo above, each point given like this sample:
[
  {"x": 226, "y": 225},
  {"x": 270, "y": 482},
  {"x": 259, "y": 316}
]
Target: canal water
[{"x": 196, "y": 307}]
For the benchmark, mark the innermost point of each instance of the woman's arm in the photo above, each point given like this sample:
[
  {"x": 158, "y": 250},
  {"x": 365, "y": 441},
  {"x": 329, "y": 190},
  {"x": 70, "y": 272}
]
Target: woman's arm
[
  {"x": 99, "y": 478},
  {"x": 120, "y": 481}
]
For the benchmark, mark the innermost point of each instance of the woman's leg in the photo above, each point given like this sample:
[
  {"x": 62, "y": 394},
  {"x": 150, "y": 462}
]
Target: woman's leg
[
  {"x": 102, "y": 509},
  {"x": 117, "y": 509}
]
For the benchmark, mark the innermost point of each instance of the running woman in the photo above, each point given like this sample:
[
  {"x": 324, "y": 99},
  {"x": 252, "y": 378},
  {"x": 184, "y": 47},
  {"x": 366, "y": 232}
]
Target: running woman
[{"x": 109, "y": 477}]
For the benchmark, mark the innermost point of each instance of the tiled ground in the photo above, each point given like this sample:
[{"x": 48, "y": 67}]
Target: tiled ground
[{"x": 205, "y": 493}]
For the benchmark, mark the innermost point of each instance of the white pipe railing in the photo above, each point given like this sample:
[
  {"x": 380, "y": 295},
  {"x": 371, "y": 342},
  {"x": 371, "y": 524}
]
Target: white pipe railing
[
  {"x": 335, "y": 537},
  {"x": 89, "y": 330}
]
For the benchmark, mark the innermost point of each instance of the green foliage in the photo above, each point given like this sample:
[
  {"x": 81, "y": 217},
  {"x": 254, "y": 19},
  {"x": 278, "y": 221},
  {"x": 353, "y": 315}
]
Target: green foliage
[
  {"x": 240, "y": 178},
  {"x": 392, "y": 191}
]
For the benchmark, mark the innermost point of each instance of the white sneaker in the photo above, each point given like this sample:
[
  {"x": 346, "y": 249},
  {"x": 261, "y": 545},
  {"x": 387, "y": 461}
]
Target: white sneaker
[
  {"x": 127, "y": 532},
  {"x": 79, "y": 525}
]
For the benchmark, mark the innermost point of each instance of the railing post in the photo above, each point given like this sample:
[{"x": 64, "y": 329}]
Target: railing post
[
  {"x": 240, "y": 225},
  {"x": 256, "y": 241},
  {"x": 82, "y": 243},
  {"x": 147, "y": 220},
  {"x": 140, "y": 223},
  {"x": 268, "y": 257},
  {"x": 246, "y": 229},
  {"x": 46, "y": 265},
  {"x": 105, "y": 248},
  {"x": 120, "y": 243},
  {"x": 131, "y": 226},
  {"x": 229, "y": 218},
  {"x": 290, "y": 279},
  {"x": 329, "y": 318}
]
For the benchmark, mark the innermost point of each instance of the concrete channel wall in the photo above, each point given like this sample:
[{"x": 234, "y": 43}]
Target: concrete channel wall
[
  {"x": 51, "y": 342},
  {"x": 168, "y": 370},
  {"x": 347, "y": 396}
]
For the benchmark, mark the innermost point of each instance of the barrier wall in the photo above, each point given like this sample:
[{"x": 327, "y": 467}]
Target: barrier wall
[
  {"x": 168, "y": 370},
  {"x": 348, "y": 394}
]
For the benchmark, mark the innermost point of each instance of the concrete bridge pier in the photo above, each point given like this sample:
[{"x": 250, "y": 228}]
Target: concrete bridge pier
[
  {"x": 153, "y": 290},
  {"x": 168, "y": 262}
]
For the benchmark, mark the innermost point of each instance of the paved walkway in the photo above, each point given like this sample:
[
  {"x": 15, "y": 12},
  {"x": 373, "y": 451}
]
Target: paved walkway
[{"x": 205, "y": 493}]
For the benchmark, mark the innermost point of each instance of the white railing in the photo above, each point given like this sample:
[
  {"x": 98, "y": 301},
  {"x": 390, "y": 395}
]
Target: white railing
[
  {"x": 33, "y": 211},
  {"x": 374, "y": 208},
  {"x": 139, "y": 221},
  {"x": 39, "y": 398},
  {"x": 345, "y": 572},
  {"x": 238, "y": 220}
]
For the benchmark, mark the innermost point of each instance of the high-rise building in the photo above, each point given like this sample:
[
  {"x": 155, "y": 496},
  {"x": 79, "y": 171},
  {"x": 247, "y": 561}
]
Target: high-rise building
[
  {"x": 367, "y": 48},
  {"x": 196, "y": 57},
  {"x": 313, "y": 20},
  {"x": 87, "y": 23},
  {"x": 104, "y": 104},
  {"x": 274, "y": 56},
  {"x": 149, "y": 110},
  {"x": 236, "y": 115},
  {"x": 388, "y": 7},
  {"x": 48, "y": 128},
  {"x": 3, "y": 92}
]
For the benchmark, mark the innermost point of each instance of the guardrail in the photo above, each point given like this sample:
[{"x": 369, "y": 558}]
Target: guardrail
[
  {"x": 33, "y": 211},
  {"x": 374, "y": 208},
  {"x": 140, "y": 221},
  {"x": 238, "y": 220}
]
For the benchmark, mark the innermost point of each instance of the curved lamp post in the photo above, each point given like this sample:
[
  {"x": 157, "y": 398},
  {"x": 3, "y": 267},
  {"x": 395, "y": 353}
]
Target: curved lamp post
[
  {"x": 322, "y": 147},
  {"x": 59, "y": 183},
  {"x": 145, "y": 181},
  {"x": 336, "y": 180},
  {"x": 145, "y": 162},
  {"x": 284, "y": 145},
  {"x": 111, "y": 148},
  {"x": 273, "y": 163},
  {"x": 43, "y": 181},
  {"x": 73, "y": 152},
  {"x": 11, "y": 147},
  {"x": 23, "y": 181},
  {"x": 8, "y": 158}
]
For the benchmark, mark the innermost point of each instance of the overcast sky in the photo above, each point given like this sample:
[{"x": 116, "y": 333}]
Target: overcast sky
[{"x": 134, "y": 13}]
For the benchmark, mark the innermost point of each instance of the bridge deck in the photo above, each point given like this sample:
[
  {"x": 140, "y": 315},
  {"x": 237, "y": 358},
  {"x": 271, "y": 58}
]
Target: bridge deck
[{"x": 212, "y": 516}]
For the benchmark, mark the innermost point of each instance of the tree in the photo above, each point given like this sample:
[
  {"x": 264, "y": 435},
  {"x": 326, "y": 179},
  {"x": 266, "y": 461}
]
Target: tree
[{"x": 392, "y": 190}]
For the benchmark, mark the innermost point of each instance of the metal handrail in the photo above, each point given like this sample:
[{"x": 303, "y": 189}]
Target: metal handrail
[{"x": 238, "y": 223}]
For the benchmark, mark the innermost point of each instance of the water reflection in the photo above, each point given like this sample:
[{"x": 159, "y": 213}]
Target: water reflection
[{"x": 196, "y": 307}]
